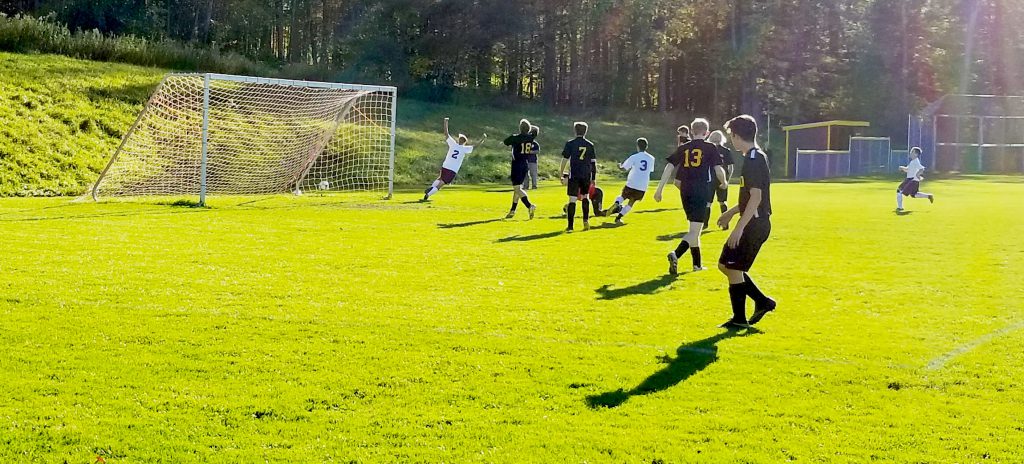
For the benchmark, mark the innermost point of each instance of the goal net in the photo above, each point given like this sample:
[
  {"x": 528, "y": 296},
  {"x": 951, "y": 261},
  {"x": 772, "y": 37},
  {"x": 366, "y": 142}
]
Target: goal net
[{"x": 205, "y": 134}]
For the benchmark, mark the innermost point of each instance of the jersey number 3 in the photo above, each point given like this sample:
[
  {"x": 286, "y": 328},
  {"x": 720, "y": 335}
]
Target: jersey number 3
[
  {"x": 693, "y": 157},
  {"x": 643, "y": 165}
]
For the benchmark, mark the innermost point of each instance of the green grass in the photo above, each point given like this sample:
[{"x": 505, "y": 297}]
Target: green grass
[
  {"x": 64, "y": 118},
  {"x": 344, "y": 328}
]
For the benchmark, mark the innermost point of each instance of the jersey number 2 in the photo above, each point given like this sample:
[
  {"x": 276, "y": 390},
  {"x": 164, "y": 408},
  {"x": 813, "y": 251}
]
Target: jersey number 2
[{"x": 455, "y": 154}]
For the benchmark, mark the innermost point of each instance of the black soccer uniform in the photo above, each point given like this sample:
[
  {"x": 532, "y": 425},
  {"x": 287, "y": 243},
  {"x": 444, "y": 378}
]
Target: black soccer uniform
[
  {"x": 722, "y": 194},
  {"x": 582, "y": 166},
  {"x": 695, "y": 162},
  {"x": 754, "y": 174},
  {"x": 531, "y": 156},
  {"x": 521, "y": 145}
]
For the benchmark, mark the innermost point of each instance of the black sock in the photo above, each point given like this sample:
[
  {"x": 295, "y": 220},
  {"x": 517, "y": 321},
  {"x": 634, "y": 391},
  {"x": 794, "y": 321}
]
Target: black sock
[
  {"x": 618, "y": 217},
  {"x": 514, "y": 204},
  {"x": 755, "y": 293},
  {"x": 586, "y": 210},
  {"x": 681, "y": 249},
  {"x": 526, "y": 201},
  {"x": 695, "y": 254},
  {"x": 572, "y": 213},
  {"x": 738, "y": 297}
]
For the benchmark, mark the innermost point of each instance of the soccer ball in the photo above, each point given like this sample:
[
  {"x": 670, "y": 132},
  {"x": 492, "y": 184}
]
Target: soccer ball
[{"x": 324, "y": 185}]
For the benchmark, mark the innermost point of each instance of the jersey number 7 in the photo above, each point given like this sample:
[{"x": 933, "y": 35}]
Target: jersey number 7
[{"x": 583, "y": 152}]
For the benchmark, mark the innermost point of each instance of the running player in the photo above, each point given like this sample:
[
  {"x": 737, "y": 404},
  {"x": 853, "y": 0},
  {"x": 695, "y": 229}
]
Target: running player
[
  {"x": 581, "y": 158},
  {"x": 457, "y": 151},
  {"x": 522, "y": 144},
  {"x": 753, "y": 228},
  {"x": 694, "y": 163},
  {"x": 912, "y": 183},
  {"x": 640, "y": 165}
]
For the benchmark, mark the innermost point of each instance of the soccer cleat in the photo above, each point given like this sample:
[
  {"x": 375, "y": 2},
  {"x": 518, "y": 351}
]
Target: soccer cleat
[
  {"x": 586, "y": 225},
  {"x": 698, "y": 268},
  {"x": 533, "y": 210},
  {"x": 510, "y": 215},
  {"x": 615, "y": 209},
  {"x": 735, "y": 325},
  {"x": 723, "y": 207},
  {"x": 568, "y": 229},
  {"x": 899, "y": 210},
  {"x": 761, "y": 309},
  {"x": 931, "y": 198},
  {"x": 673, "y": 263},
  {"x": 425, "y": 198},
  {"x": 618, "y": 221}
]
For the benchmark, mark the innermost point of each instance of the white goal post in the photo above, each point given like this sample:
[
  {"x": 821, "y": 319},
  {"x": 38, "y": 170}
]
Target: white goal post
[{"x": 203, "y": 134}]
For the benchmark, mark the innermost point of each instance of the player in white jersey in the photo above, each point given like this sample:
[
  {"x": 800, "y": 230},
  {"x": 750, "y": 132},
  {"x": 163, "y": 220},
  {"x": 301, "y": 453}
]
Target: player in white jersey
[
  {"x": 457, "y": 151},
  {"x": 912, "y": 183},
  {"x": 640, "y": 165}
]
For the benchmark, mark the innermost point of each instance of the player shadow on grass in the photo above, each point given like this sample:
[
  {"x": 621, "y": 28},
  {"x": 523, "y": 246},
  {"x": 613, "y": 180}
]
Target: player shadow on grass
[
  {"x": 903, "y": 213},
  {"x": 456, "y": 225},
  {"x": 690, "y": 359},
  {"x": 527, "y": 238},
  {"x": 605, "y": 292},
  {"x": 680, "y": 235}
]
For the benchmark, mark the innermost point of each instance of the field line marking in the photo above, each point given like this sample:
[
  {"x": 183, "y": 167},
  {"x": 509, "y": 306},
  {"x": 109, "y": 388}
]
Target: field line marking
[{"x": 945, "y": 358}]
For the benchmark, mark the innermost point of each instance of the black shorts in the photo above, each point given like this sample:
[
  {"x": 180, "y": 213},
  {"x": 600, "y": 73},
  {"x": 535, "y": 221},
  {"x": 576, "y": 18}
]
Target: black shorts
[
  {"x": 742, "y": 257},
  {"x": 577, "y": 187},
  {"x": 696, "y": 202},
  {"x": 629, "y": 193},
  {"x": 909, "y": 187},
  {"x": 519, "y": 172},
  {"x": 447, "y": 175}
]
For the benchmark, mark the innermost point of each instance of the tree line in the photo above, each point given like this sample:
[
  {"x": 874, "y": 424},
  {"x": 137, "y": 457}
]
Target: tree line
[{"x": 799, "y": 60}]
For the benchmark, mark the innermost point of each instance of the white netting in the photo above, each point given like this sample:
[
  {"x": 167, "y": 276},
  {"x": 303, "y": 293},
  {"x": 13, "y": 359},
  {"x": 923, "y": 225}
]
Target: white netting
[{"x": 264, "y": 136}]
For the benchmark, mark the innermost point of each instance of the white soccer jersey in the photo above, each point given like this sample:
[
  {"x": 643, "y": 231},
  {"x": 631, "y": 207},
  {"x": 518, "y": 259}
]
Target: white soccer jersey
[
  {"x": 914, "y": 168},
  {"x": 456, "y": 153},
  {"x": 640, "y": 166}
]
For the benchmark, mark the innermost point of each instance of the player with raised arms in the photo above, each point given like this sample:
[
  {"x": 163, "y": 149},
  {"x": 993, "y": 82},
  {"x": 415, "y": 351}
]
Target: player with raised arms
[
  {"x": 581, "y": 158},
  {"x": 522, "y": 145},
  {"x": 912, "y": 183},
  {"x": 694, "y": 164},
  {"x": 457, "y": 152},
  {"x": 640, "y": 166},
  {"x": 753, "y": 228}
]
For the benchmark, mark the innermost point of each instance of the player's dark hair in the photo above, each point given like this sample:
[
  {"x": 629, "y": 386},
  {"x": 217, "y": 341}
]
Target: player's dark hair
[
  {"x": 683, "y": 129},
  {"x": 743, "y": 126},
  {"x": 641, "y": 144},
  {"x": 534, "y": 131},
  {"x": 524, "y": 126},
  {"x": 580, "y": 128},
  {"x": 916, "y": 150}
]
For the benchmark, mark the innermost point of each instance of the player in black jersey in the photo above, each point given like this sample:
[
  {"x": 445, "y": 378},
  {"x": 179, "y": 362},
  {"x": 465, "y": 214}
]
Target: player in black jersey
[
  {"x": 696, "y": 165},
  {"x": 753, "y": 228},
  {"x": 722, "y": 193},
  {"x": 580, "y": 156},
  {"x": 682, "y": 134},
  {"x": 522, "y": 146}
]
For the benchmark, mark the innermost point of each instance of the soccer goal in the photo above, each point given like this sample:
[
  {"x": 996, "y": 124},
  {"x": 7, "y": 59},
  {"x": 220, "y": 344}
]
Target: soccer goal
[
  {"x": 971, "y": 133},
  {"x": 202, "y": 134}
]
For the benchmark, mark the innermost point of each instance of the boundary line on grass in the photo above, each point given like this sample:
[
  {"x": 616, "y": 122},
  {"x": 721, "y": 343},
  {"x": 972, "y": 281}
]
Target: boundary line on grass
[{"x": 945, "y": 358}]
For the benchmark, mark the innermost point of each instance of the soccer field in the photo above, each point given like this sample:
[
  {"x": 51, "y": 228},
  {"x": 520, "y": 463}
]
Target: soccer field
[{"x": 345, "y": 328}]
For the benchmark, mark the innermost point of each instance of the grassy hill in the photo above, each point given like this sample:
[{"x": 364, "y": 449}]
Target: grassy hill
[{"x": 63, "y": 118}]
